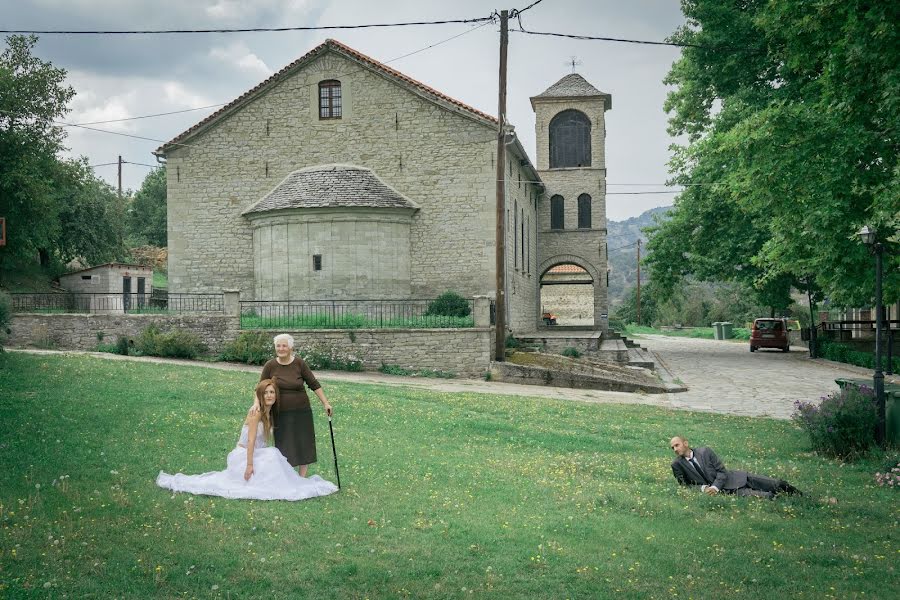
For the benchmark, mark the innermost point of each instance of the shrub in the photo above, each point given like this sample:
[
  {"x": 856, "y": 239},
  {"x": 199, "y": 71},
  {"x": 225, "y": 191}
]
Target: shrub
[
  {"x": 843, "y": 424},
  {"x": 512, "y": 342},
  {"x": 173, "y": 344},
  {"x": 250, "y": 347},
  {"x": 394, "y": 370},
  {"x": 571, "y": 352},
  {"x": 449, "y": 304},
  {"x": 121, "y": 346},
  {"x": 891, "y": 475},
  {"x": 846, "y": 354},
  {"x": 329, "y": 357}
]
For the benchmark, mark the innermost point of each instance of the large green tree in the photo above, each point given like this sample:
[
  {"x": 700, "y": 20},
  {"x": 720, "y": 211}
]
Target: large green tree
[
  {"x": 791, "y": 112},
  {"x": 33, "y": 95},
  {"x": 147, "y": 214}
]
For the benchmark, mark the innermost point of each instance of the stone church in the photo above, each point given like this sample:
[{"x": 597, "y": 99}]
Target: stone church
[{"x": 340, "y": 178}]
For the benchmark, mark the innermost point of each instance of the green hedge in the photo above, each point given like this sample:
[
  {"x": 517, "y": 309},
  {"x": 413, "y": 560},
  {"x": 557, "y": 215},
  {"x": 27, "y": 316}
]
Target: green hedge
[{"x": 846, "y": 354}]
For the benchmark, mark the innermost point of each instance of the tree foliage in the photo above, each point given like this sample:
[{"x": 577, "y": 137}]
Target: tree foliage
[
  {"x": 791, "y": 147},
  {"x": 56, "y": 209},
  {"x": 147, "y": 215}
]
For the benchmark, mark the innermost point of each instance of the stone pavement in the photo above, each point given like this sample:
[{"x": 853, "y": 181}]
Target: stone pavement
[{"x": 724, "y": 377}]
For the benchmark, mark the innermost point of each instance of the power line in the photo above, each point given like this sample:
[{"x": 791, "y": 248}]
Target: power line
[
  {"x": 516, "y": 12},
  {"x": 630, "y": 41},
  {"x": 243, "y": 30},
  {"x": 174, "y": 112}
]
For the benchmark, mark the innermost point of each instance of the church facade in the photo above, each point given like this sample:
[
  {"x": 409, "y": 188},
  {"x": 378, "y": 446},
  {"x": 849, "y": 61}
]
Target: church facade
[{"x": 339, "y": 178}]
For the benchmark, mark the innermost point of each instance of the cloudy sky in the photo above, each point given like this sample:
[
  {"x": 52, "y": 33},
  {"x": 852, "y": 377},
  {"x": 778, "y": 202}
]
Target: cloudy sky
[{"x": 126, "y": 76}]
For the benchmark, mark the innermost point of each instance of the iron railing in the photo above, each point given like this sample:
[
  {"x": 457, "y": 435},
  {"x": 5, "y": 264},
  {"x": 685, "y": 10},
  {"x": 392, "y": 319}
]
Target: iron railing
[
  {"x": 349, "y": 314},
  {"x": 133, "y": 303}
]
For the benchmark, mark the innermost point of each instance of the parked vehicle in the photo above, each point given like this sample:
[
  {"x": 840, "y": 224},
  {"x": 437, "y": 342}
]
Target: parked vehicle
[
  {"x": 770, "y": 333},
  {"x": 549, "y": 318}
]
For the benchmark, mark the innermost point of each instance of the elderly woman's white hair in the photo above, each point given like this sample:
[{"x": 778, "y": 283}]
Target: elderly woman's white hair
[{"x": 283, "y": 337}]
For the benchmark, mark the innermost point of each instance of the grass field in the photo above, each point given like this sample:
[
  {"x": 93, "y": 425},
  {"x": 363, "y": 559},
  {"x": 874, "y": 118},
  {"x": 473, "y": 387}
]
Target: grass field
[
  {"x": 738, "y": 333},
  {"x": 445, "y": 496}
]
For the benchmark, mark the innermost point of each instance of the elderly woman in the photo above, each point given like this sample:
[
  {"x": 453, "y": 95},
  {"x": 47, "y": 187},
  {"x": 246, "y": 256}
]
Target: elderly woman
[{"x": 295, "y": 435}]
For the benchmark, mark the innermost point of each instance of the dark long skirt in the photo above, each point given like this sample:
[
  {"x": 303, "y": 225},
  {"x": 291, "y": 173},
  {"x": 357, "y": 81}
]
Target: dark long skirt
[{"x": 295, "y": 436}]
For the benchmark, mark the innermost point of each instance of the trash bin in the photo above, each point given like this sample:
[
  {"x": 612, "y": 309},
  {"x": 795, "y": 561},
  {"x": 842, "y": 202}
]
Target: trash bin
[
  {"x": 892, "y": 416},
  {"x": 717, "y": 330},
  {"x": 727, "y": 332}
]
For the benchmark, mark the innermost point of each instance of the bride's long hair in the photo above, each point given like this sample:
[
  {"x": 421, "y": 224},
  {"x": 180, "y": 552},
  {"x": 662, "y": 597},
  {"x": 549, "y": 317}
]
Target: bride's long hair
[{"x": 265, "y": 413}]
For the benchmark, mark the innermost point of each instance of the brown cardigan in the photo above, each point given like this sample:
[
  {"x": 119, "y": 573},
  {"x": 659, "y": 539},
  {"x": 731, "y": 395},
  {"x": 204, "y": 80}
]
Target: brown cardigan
[{"x": 290, "y": 379}]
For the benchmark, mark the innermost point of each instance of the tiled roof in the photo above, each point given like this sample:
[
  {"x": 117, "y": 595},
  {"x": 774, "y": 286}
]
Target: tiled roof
[
  {"x": 573, "y": 86},
  {"x": 329, "y": 186},
  {"x": 566, "y": 269},
  {"x": 321, "y": 49}
]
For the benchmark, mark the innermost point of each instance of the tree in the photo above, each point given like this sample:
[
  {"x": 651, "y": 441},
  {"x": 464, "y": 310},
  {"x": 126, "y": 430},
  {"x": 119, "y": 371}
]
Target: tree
[
  {"x": 147, "y": 215},
  {"x": 791, "y": 111},
  {"x": 33, "y": 95}
]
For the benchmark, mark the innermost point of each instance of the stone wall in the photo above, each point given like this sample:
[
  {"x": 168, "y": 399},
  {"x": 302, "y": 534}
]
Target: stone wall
[
  {"x": 80, "y": 331},
  {"x": 466, "y": 352}
]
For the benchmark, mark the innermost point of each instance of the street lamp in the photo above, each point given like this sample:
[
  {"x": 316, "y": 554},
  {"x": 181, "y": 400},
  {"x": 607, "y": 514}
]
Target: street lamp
[{"x": 868, "y": 237}]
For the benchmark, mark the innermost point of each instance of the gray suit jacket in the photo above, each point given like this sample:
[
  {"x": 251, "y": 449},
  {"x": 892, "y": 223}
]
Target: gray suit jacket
[{"x": 715, "y": 472}]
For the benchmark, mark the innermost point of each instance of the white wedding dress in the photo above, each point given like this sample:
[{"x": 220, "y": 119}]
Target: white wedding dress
[{"x": 273, "y": 477}]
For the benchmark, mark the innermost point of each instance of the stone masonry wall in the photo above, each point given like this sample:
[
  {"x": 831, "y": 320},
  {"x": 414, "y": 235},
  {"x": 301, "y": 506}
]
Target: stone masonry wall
[
  {"x": 466, "y": 352},
  {"x": 79, "y": 331},
  {"x": 441, "y": 159}
]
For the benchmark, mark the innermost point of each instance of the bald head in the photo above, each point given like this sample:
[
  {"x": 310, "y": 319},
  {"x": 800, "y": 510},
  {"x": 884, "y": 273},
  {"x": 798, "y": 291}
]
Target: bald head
[{"x": 679, "y": 445}]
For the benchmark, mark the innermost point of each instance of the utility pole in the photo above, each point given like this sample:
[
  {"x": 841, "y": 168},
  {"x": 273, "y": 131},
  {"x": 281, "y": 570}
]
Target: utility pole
[
  {"x": 639, "y": 281},
  {"x": 120, "y": 176},
  {"x": 500, "y": 313}
]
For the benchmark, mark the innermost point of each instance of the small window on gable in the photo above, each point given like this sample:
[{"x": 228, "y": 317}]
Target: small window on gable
[
  {"x": 584, "y": 211},
  {"x": 330, "y": 106},
  {"x": 557, "y": 212},
  {"x": 86, "y": 277},
  {"x": 317, "y": 262}
]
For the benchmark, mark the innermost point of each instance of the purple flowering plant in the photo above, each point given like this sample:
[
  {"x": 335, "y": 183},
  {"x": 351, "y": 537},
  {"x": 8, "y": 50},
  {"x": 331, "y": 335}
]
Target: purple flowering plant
[
  {"x": 890, "y": 477},
  {"x": 841, "y": 424}
]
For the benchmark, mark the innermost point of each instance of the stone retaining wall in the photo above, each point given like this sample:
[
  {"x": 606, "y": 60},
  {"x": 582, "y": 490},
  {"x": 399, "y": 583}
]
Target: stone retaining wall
[
  {"x": 466, "y": 352},
  {"x": 80, "y": 331}
]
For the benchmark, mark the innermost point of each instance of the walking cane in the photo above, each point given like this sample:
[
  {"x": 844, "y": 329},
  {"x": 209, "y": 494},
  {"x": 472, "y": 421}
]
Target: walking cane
[{"x": 334, "y": 452}]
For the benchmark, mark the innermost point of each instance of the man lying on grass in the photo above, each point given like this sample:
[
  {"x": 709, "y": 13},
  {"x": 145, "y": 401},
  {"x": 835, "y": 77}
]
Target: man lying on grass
[{"x": 702, "y": 467}]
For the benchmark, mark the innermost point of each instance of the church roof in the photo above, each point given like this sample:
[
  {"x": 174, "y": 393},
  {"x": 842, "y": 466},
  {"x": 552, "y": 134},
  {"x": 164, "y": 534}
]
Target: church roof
[
  {"x": 348, "y": 52},
  {"x": 573, "y": 86},
  {"x": 331, "y": 186}
]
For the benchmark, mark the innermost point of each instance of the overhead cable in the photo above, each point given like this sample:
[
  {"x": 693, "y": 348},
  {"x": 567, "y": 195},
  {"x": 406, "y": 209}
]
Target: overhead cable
[
  {"x": 242, "y": 30},
  {"x": 630, "y": 41}
]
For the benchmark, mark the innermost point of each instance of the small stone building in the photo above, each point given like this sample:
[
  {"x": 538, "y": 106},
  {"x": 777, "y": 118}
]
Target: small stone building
[
  {"x": 341, "y": 178},
  {"x": 112, "y": 287}
]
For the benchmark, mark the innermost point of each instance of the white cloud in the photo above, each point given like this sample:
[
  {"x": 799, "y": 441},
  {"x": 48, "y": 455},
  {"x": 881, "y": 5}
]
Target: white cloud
[{"x": 239, "y": 55}]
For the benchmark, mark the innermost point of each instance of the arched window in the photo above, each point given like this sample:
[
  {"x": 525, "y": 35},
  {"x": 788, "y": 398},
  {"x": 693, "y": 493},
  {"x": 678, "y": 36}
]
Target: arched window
[
  {"x": 584, "y": 211},
  {"x": 570, "y": 140},
  {"x": 557, "y": 212},
  {"x": 330, "y": 99}
]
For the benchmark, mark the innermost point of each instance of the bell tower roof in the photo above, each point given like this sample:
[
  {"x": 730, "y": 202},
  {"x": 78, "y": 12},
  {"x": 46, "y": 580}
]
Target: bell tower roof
[{"x": 573, "y": 85}]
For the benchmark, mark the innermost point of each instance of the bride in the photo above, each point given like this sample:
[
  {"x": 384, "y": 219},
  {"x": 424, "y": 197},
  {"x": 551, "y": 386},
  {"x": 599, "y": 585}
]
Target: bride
[{"x": 255, "y": 470}]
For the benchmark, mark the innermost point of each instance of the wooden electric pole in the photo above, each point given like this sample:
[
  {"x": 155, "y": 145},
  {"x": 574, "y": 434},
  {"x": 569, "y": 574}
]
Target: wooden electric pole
[
  {"x": 639, "y": 282},
  {"x": 120, "y": 176},
  {"x": 500, "y": 313}
]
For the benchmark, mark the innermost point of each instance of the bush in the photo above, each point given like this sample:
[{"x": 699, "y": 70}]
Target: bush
[
  {"x": 121, "y": 346},
  {"x": 394, "y": 370},
  {"x": 843, "y": 424},
  {"x": 173, "y": 344},
  {"x": 512, "y": 342},
  {"x": 846, "y": 354},
  {"x": 890, "y": 477},
  {"x": 449, "y": 304},
  {"x": 331, "y": 358},
  {"x": 571, "y": 352},
  {"x": 250, "y": 347}
]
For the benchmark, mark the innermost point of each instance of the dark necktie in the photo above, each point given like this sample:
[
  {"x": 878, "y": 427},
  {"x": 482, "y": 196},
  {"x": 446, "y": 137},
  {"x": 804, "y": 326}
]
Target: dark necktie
[{"x": 697, "y": 468}]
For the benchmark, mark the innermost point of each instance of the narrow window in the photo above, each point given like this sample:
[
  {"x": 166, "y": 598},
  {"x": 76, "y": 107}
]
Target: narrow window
[
  {"x": 516, "y": 235},
  {"x": 317, "y": 262},
  {"x": 584, "y": 211},
  {"x": 557, "y": 212},
  {"x": 86, "y": 277},
  {"x": 522, "y": 226},
  {"x": 528, "y": 245},
  {"x": 330, "y": 99}
]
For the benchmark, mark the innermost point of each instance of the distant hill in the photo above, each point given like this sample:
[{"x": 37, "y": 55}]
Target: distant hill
[{"x": 622, "y": 237}]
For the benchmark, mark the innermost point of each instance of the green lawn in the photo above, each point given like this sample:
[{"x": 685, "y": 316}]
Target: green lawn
[
  {"x": 160, "y": 279},
  {"x": 445, "y": 496},
  {"x": 738, "y": 333}
]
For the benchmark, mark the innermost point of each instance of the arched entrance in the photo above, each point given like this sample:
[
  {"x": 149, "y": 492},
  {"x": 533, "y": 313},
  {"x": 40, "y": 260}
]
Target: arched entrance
[{"x": 567, "y": 293}]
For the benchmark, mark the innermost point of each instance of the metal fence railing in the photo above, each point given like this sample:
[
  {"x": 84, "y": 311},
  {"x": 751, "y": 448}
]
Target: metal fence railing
[
  {"x": 133, "y": 303},
  {"x": 351, "y": 314}
]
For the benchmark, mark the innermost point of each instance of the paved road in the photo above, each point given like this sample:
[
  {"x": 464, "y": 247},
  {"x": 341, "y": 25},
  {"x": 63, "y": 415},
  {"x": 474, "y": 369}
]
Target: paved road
[{"x": 725, "y": 377}]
